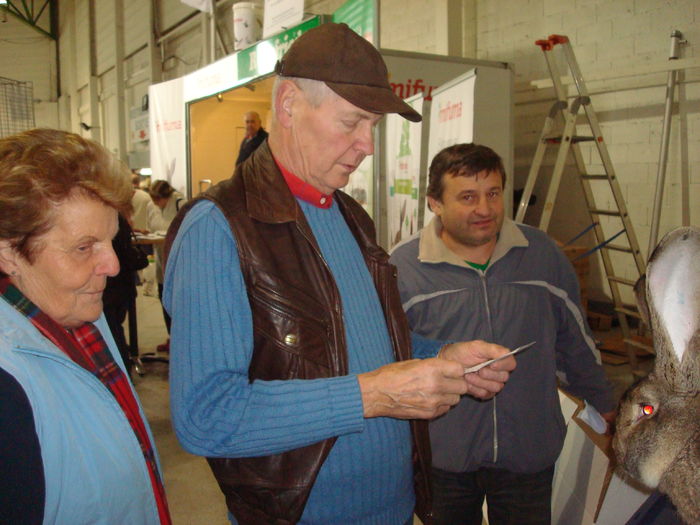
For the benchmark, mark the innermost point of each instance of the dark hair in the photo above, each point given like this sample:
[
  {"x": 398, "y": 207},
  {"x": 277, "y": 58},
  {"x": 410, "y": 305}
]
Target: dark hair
[
  {"x": 161, "y": 189},
  {"x": 465, "y": 160},
  {"x": 41, "y": 168}
]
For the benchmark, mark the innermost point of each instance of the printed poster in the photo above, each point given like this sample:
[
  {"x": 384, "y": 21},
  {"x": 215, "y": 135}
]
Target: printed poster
[
  {"x": 167, "y": 132},
  {"x": 360, "y": 186},
  {"x": 451, "y": 119},
  {"x": 403, "y": 167}
]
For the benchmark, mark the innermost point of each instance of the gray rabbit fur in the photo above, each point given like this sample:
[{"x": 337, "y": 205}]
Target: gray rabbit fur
[{"x": 657, "y": 438}]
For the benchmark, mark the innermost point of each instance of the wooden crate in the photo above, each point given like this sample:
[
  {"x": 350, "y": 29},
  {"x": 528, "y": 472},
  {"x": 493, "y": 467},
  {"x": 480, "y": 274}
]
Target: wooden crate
[{"x": 599, "y": 322}]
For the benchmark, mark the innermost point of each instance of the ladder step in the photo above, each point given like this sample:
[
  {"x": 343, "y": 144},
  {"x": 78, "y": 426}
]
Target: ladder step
[
  {"x": 621, "y": 280},
  {"x": 627, "y": 311},
  {"x": 618, "y": 248},
  {"x": 614, "y": 213},
  {"x": 639, "y": 344},
  {"x": 574, "y": 139},
  {"x": 595, "y": 177}
]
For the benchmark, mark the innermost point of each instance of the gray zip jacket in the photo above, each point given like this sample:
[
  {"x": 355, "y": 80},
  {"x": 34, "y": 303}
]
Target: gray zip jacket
[{"x": 529, "y": 292}]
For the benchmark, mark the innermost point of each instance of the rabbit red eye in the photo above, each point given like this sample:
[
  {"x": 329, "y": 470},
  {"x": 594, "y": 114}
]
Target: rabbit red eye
[{"x": 647, "y": 410}]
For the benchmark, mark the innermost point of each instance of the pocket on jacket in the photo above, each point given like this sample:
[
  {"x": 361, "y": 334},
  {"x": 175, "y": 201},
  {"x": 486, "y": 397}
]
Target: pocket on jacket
[{"x": 300, "y": 330}]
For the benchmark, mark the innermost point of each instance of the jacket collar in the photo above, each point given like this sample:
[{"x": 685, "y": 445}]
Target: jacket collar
[
  {"x": 269, "y": 200},
  {"x": 22, "y": 335},
  {"x": 268, "y": 197},
  {"x": 303, "y": 190},
  {"x": 431, "y": 248}
]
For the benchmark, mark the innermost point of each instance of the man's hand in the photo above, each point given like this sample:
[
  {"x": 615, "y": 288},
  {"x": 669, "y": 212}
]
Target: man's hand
[
  {"x": 491, "y": 379},
  {"x": 415, "y": 389}
]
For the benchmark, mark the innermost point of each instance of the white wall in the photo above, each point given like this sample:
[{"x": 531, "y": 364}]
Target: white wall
[{"x": 609, "y": 39}]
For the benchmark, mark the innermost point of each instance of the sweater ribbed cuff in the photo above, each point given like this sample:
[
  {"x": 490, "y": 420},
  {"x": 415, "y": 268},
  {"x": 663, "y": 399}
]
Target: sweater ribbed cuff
[{"x": 348, "y": 412}]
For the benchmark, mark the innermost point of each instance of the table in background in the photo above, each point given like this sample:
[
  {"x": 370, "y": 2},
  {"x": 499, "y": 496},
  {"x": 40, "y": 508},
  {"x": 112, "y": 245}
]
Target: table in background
[{"x": 141, "y": 240}]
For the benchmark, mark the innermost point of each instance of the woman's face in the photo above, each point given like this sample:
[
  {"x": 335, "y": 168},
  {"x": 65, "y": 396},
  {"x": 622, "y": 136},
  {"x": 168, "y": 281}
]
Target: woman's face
[
  {"x": 72, "y": 262},
  {"x": 161, "y": 202}
]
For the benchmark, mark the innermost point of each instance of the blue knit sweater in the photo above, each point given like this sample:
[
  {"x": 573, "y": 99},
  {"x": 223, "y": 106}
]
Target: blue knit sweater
[{"x": 367, "y": 478}]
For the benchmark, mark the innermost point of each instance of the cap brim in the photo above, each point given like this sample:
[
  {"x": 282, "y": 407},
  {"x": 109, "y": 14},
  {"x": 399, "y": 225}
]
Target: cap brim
[{"x": 375, "y": 99}]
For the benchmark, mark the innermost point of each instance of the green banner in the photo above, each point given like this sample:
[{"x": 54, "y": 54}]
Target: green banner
[
  {"x": 359, "y": 15},
  {"x": 261, "y": 58}
]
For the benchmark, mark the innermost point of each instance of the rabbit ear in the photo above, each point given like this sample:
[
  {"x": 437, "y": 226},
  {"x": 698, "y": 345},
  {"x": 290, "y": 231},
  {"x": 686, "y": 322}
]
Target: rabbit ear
[
  {"x": 640, "y": 292},
  {"x": 673, "y": 294}
]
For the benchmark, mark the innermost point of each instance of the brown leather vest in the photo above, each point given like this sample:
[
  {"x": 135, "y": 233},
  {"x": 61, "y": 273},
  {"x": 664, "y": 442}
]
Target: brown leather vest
[{"x": 298, "y": 329}]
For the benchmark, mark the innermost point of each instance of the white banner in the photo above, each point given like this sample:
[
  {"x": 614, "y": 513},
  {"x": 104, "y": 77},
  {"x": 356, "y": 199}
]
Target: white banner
[
  {"x": 403, "y": 156},
  {"x": 280, "y": 15},
  {"x": 451, "y": 119},
  {"x": 167, "y": 131},
  {"x": 211, "y": 79}
]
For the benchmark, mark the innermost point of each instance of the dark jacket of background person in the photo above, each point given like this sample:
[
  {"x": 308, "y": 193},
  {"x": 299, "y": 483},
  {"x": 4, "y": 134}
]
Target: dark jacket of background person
[
  {"x": 249, "y": 145},
  {"x": 121, "y": 289}
]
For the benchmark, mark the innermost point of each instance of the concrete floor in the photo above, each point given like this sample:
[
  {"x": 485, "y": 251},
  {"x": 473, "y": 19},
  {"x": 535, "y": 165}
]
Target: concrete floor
[{"x": 193, "y": 495}]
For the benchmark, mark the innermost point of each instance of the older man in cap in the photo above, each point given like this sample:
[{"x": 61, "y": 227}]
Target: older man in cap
[{"x": 291, "y": 365}]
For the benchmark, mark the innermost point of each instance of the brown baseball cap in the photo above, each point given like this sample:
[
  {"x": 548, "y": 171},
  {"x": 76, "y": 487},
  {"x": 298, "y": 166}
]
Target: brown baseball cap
[{"x": 348, "y": 64}]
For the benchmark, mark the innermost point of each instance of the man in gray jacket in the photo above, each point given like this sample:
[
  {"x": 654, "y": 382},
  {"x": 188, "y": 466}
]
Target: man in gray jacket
[{"x": 473, "y": 274}]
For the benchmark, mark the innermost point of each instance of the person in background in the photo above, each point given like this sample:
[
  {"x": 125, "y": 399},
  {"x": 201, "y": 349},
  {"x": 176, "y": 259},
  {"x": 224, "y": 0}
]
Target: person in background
[
  {"x": 145, "y": 215},
  {"x": 291, "y": 365},
  {"x": 169, "y": 201},
  {"x": 120, "y": 291},
  {"x": 75, "y": 446},
  {"x": 144, "y": 209},
  {"x": 472, "y": 273},
  {"x": 254, "y": 136}
]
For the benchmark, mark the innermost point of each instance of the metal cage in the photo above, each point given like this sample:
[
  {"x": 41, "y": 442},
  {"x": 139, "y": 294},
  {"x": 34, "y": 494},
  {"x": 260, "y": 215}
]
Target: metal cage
[{"x": 16, "y": 106}]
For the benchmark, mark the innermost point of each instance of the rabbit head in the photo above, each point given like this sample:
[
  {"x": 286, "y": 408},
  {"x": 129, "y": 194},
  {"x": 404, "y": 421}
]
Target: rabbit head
[{"x": 657, "y": 438}]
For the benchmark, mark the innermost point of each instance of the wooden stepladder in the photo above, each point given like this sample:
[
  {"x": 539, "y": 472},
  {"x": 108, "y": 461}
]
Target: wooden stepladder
[{"x": 560, "y": 130}]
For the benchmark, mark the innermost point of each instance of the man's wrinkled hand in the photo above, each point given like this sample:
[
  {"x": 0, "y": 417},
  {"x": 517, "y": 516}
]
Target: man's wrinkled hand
[
  {"x": 491, "y": 379},
  {"x": 415, "y": 389}
]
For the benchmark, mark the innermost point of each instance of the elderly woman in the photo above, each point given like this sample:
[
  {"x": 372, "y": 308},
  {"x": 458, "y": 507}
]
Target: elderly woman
[{"x": 74, "y": 443}]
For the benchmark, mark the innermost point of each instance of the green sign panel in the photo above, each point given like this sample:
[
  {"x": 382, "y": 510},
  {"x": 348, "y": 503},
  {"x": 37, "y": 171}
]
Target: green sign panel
[
  {"x": 261, "y": 58},
  {"x": 359, "y": 15}
]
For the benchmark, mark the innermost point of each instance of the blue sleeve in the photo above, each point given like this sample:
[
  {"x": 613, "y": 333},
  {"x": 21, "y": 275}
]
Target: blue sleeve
[
  {"x": 22, "y": 485},
  {"x": 216, "y": 410},
  {"x": 424, "y": 347},
  {"x": 576, "y": 351}
]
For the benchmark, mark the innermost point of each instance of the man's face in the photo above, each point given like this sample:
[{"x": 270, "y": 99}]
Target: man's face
[
  {"x": 471, "y": 209},
  {"x": 252, "y": 124},
  {"x": 329, "y": 141}
]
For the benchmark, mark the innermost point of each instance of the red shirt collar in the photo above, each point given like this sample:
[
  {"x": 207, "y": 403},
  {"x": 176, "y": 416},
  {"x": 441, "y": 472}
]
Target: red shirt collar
[{"x": 304, "y": 190}]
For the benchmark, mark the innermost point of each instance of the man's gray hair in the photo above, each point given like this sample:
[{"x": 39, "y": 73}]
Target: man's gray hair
[{"x": 315, "y": 91}]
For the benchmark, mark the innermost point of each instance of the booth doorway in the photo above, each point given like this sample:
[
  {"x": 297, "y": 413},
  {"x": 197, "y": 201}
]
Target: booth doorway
[{"x": 216, "y": 130}]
